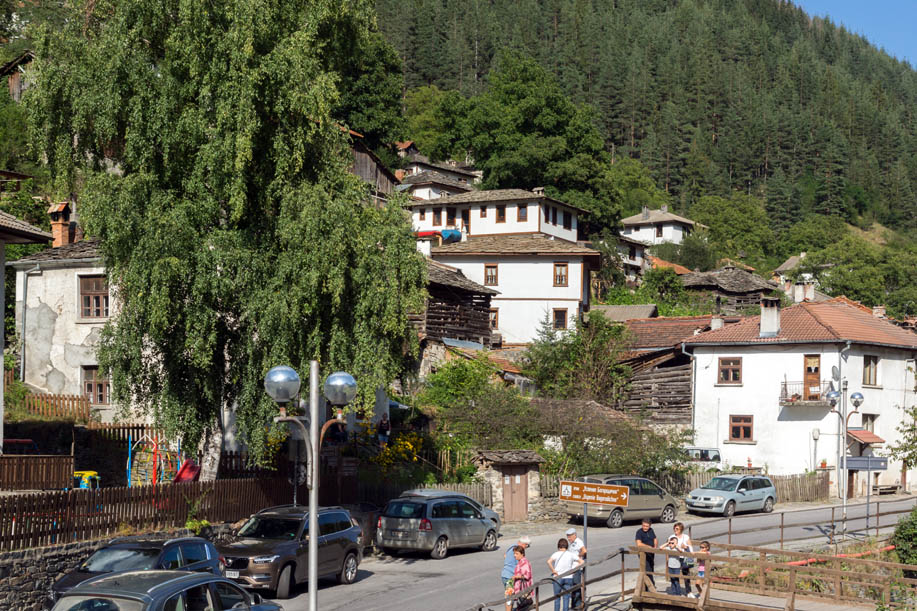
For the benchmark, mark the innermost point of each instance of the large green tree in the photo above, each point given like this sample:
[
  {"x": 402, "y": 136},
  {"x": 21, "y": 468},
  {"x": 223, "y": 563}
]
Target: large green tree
[{"x": 205, "y": 142}]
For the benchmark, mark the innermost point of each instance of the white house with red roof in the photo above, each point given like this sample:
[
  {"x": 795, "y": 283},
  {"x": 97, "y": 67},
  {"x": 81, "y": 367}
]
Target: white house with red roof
[{"x": 760, "y": 387}]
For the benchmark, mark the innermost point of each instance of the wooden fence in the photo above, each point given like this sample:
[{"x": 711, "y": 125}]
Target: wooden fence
[
  {"x": 379, "y": 493},
  {"x": 790, "y": 488},
  {"x": 23, "y": 472},
  {"x": 125, "y": 432},
  {"x": 64, "y": 407},
  {"x": 46, "y": 518},
  {"x": 8, "y": 377}
]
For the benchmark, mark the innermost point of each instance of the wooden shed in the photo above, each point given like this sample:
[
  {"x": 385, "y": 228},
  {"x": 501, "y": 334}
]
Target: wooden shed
[
  {"x": 732, "y": 289},
  {"x": 516, "y": 480},
  {"x": 457, "y": 308}
]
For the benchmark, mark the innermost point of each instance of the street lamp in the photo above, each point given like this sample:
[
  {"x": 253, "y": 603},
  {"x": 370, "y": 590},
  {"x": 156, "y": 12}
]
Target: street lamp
[{"x": 857, "y": 400}]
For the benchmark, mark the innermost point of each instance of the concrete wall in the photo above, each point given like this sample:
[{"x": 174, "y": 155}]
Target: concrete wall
[
  {"x": 58, "y": 342},
  {"x": 782, "y": 436}
]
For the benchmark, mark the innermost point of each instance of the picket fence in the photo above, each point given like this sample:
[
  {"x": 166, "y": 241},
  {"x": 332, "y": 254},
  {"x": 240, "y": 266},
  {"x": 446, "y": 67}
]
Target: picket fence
[
  {"x": 790, "y": 488},
  {"x": 63, "y": 407},
  {"x": 30, "y": 472},
  {"x": 124, "y": 432}
]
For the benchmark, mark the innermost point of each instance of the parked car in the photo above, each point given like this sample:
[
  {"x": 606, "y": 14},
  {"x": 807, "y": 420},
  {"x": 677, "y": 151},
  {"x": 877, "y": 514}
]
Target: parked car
[
  {"x": 431, "y": 493},
  {"x": 705, "y": 458},
  {"x": 727, "y": 494},
  {"x": 435, "y": 523},
  {"x": 271, "y": 550},
  {"x": 160, "y": 591},
  {"x": 646, "y": 499},
  {"x": 185, "y": 553}
]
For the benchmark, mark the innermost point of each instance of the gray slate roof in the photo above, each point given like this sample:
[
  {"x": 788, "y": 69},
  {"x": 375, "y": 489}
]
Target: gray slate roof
[
  {"x": 423, "y": 159},
  {"x": 728, "y": 279},
  {"x": 508, "y": 457},
  {"x": 15, "y": 231},
  {"x": 789, "y": 264},
  {"x": 501, "y": 195},
  {"x": 84, "y": 249},
  {"x": 658, "y": 216},
  {"x": 513, "y": 244},
  {"x": 429, "y": 176},
  {"x": 620, "y": 313},
  {"x": 447, "y": 275}
]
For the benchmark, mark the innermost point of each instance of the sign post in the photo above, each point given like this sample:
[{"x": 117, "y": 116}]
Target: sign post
[
  {"x": 592, "y": 494},
  {"x": 868, "y": 464}
]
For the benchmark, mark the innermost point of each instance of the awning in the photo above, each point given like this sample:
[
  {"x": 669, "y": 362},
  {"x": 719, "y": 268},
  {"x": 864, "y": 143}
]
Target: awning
[{"x": 864, "y": 436}]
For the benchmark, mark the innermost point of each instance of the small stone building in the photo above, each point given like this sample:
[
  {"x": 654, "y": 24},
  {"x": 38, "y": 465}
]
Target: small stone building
[{"x": 515, "y": 478}]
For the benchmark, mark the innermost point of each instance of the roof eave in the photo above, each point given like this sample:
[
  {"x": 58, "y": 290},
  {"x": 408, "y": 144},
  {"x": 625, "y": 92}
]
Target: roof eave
[{"x": 800, "y": 342}]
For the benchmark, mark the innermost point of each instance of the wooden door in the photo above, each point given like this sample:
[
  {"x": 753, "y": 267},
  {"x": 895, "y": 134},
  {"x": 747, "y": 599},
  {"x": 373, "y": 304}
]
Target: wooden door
[
  {"x": 515, "y": 493},
  {"x": 812, "y": 378}
]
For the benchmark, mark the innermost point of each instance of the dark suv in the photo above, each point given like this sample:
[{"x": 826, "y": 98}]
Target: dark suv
[
  {"x": 272, "y": 549},
  {"x": 126, "y": 554}
]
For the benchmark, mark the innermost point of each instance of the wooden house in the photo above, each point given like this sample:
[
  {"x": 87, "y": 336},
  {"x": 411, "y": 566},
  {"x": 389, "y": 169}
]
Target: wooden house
[
  {"x": 16, "y": 71},
  {"x": 457, "y": 308},
  {"x": 732, "y": 289}
]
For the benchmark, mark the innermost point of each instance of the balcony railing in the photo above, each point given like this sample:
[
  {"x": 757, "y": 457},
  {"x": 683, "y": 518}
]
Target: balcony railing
[{"x": 801, "y": 393}]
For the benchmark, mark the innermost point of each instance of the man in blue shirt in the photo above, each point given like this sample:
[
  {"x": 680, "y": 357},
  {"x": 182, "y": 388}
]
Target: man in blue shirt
[{"x": 509, "y": 564}]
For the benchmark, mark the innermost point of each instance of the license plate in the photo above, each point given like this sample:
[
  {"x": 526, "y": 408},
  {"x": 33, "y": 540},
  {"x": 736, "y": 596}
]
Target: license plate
[{"x": 232, "y": 574}]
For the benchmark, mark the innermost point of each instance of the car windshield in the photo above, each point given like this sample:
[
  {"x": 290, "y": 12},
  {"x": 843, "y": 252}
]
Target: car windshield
[
  {"x": 111, "y": 559},
  {"x": 404, "y": 509},
  {"x": 96, "y": 603},
  {"x": 264, "y": 527},
  {"x": 721, "y": 483}
]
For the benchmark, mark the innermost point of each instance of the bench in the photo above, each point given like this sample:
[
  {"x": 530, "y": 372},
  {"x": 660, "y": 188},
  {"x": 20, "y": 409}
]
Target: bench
[{"x": 886, "y": 488}]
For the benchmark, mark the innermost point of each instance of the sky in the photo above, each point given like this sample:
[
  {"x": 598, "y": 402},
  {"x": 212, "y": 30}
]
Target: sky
[{"x": 888, "y": 24}]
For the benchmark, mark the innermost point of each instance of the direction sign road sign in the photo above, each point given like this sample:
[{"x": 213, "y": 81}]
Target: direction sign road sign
[
  {"x": 594, "y": 494},
  {"x": 865, "y": 463}
]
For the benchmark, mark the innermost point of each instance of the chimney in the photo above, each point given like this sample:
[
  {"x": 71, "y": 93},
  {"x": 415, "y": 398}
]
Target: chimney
[
  {"x": 60, "y": 223},
  {"x": 878, "y": 311},
  {"x": 646, "y": 213},
  {"x": 716, "y": 322},
  {"x": 399, "y": 174},
  {"x": 664, "y": 208},
  {"x": 770, "y": 317},
  {"x": 538, "y": 191}
]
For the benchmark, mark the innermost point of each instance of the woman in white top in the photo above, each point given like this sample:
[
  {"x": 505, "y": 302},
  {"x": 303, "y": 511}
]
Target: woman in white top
[
  {"x": 560, "y": 562},
  {"x": 684, "y": 544}
]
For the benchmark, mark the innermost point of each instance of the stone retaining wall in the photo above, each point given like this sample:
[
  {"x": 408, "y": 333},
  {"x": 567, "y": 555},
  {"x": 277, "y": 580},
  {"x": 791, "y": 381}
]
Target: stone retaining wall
[{"x": 26, "y": 576}]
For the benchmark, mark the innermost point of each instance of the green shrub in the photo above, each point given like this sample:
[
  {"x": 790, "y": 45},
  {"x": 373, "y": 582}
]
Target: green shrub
[{"x": 905, "y": 541}]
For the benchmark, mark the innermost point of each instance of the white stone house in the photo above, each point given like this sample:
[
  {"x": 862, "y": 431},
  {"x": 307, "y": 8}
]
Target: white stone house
[
  {"x": 760, "y": 387},
  {"x": 419, "y": 163},
  {"x": 432, "y": 185},
  {"x": 633, "y": 257},
  {"x": 657, "y": 226}
]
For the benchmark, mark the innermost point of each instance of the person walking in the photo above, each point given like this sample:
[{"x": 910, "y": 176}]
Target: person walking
[
  {"x": 509, "y": 564},
  {"x": 646, "y": 537},
  {"x": 383, "y": 429},
  {"x": 560, "y": 562},
  {"x": 576, "y": 546},
  {"x": 684, "y": 545}
]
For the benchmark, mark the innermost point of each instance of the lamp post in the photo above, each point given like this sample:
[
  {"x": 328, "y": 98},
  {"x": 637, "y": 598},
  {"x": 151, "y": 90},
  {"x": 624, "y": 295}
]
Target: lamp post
[
  {"x": 857, "y": 400},
  {"x": 282, "y": 384}
]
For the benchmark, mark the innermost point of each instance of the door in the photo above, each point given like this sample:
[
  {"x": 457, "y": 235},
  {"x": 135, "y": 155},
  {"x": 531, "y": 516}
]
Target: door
[
  {"x": 812, "y": 378},
  {"x": 474, "y": 525},
  {"x": 330, "y": 555},
  {"x": 636, "y": 500},
  {"x": 515, "y": 493},
  {"x": 745, "y": 495},
  {"x": 194, "y": 557},
  {"x": 654, "y": 499},
  {"x": 466, "y": 220}
]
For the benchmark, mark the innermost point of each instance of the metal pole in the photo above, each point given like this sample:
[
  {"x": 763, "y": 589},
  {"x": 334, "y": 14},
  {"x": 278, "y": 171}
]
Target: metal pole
[
  {"x": 868, "y": 487},
  {"x": 844, "y": 448},
  {"x": 313, "y": 490},
  {"x": 586, "y": 545}
]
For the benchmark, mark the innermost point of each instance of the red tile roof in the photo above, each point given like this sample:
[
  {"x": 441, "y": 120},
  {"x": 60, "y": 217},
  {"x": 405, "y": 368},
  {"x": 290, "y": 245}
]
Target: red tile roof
[
  {"x": 658, "y": 263},
  {"x": 837, "y": 320},
  {"x": 864, "y": 436}
]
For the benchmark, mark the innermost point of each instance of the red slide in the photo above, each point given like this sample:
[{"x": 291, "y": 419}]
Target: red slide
[{"x": 188, "y": 473}]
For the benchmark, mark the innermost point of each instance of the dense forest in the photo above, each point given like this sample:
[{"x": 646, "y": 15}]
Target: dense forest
[{"x": 712, "y": 96}]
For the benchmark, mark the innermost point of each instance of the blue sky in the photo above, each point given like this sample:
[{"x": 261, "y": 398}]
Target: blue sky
[{"x": 887, "y": 24}]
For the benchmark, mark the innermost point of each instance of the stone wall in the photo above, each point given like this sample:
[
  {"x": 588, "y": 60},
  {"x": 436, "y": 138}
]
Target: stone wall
[{"x": 26, "y": 576}]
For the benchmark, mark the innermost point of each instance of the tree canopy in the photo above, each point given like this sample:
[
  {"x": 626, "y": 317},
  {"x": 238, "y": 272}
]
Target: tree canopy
[{"x": 204, "y": 142}]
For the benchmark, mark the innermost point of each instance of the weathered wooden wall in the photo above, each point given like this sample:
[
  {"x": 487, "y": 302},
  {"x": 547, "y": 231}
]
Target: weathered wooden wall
[
  {"x": 664, "y": 393},
  {"x": 456, "y": 315}
]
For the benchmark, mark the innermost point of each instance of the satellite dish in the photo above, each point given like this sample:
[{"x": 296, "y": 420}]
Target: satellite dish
[{"x": 835, "y": 373}]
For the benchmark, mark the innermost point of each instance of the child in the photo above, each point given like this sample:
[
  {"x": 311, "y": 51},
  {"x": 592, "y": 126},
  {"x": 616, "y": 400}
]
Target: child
[
  {"x": 702, "y": 565},
  {"x": 674, "y": 566}
]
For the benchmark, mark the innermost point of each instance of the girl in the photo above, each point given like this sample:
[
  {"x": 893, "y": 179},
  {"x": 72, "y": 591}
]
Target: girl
[{"x": 702, "y": 564}]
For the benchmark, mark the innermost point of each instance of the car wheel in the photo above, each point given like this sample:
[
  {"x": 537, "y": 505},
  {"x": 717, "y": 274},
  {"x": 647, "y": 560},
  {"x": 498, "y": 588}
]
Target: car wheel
[
  {"x": 668, "y": 514},
  {"x": 348, "y": 572},
  {"x": 490, "y": 541},
  {"x": 440, "y": 548},
  {"x": 616, "y": 519},
  {"x": 285, "y": 583},
  {"x": 730, "y": 509},
  {"x": 768, "y": 505}
]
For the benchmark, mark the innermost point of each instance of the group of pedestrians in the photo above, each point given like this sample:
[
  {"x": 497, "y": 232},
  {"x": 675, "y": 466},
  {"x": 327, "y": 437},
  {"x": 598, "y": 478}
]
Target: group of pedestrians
[
  {"x": 517, "y": 572},
  {"x": 678, "y": 567}
]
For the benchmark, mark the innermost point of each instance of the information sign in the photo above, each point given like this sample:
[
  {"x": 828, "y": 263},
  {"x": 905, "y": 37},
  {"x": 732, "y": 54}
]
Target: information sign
[{"x": 594, "y": 494}]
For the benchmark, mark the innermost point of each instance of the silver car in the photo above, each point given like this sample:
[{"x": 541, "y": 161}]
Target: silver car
[
  {"x": 727, "y": 494},
  {"x": 645, "y": 500},
  {"x": 434, "y": 524}
]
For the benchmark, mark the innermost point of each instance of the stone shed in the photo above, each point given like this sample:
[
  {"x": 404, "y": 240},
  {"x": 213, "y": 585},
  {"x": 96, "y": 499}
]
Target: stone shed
[{"x": 515, "y": 478}]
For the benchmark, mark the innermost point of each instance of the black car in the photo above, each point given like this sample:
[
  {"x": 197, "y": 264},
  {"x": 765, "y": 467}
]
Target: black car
[
  {"x": 272, "y": 549},
  {"x": 131, "y": 554}
]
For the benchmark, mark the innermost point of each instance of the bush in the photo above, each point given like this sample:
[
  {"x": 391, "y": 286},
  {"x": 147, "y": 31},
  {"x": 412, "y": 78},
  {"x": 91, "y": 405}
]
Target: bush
[{"x": 905, "y": 541}]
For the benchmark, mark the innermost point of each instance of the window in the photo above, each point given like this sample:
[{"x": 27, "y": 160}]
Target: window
[
  {"x": 198, "y": 598},
  {"x": 658, "y": 231},
  {"x": 553, "y": 215},
  {"x": 450, "y": 217},
  {"x": 522, "y": 213},
  {"x": 483, "y": 212},
  {"x": 632, "y": 253},
  {"x": 93, "y": 297},
  {"x": 560, "y": 318},
  {"x": 740, "y": 428},
  {"x": 501, "y": 214},
  {"x": 870, "y": 368},
  {"x": 437, "y": 217},
  {"x": 730, "y": 371},
  {"x": 230, "y": 596},
  {"x": 490, "y": 275},
  {"x": 193, "y": 552},
  {"x": 560, "y": 274},
  {"x": 869, "y": 422},
  {"x": 170, "y": 560},
  {"x": 95, "y": 387},
  {"x": 568, "y": 220},
  {"x": 423, "y": 214},
  {"x": 176, "y": 603},
  {"x": 467, "y": 511},
  {"x": 494, "y": 318}
]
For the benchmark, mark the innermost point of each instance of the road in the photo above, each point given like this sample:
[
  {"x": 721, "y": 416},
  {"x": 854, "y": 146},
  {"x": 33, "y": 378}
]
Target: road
[{"x": 414, "y": 582}]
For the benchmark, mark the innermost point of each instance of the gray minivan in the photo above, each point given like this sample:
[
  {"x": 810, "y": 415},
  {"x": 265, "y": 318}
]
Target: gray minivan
[
  {"x": 435, "y": 525},
  {"x": 646, "y": 499}
]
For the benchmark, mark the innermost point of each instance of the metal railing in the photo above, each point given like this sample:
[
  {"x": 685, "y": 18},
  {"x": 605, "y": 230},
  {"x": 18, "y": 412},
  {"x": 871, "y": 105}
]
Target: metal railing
[{"x": 792, "y": 393}]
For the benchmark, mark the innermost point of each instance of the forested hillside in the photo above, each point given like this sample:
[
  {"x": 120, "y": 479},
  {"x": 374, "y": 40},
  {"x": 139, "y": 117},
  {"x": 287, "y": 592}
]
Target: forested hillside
[{"x": 712, "y": 96}]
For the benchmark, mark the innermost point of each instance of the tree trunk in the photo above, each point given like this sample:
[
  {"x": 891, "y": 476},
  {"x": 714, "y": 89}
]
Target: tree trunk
[{"x": 211, "y": 449}]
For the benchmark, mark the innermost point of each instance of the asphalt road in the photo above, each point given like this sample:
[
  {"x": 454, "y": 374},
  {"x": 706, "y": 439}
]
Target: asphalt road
[{"x": 414, "y": 582}]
